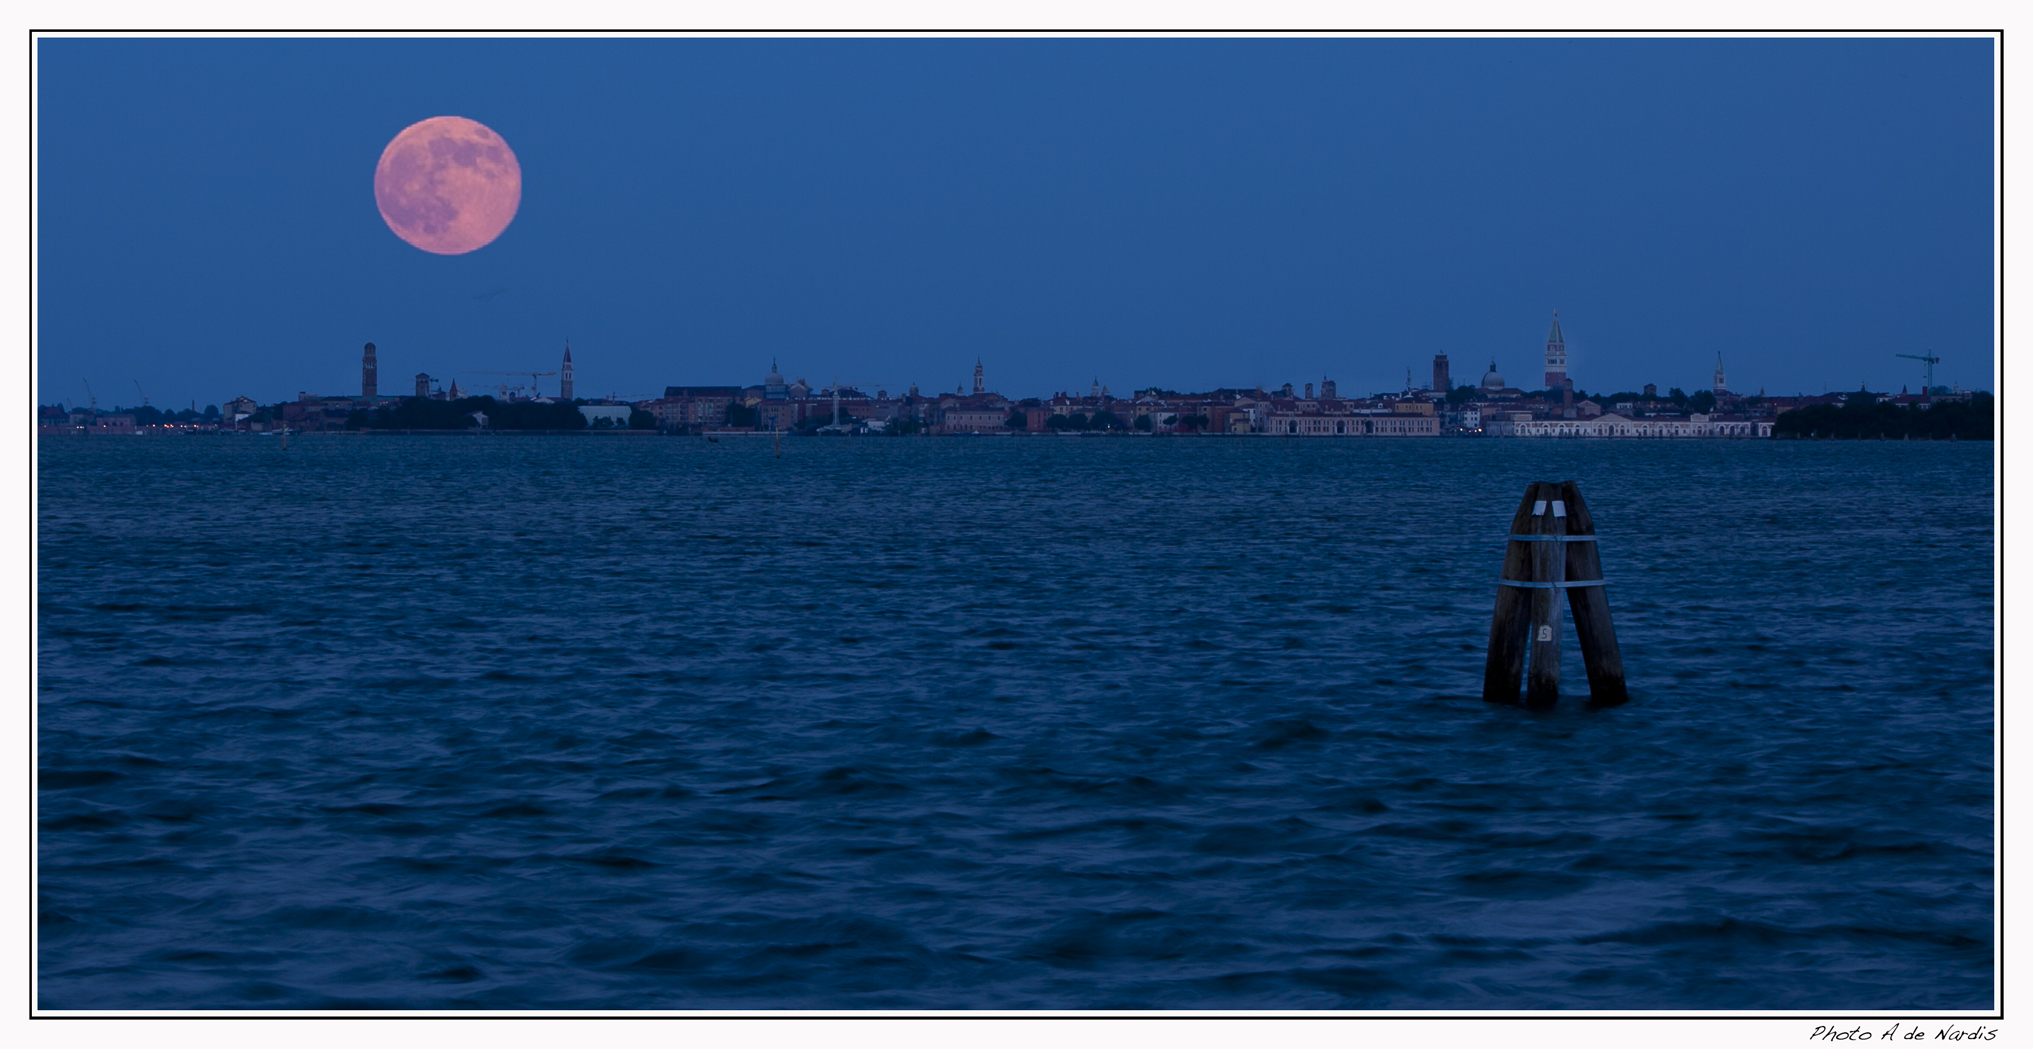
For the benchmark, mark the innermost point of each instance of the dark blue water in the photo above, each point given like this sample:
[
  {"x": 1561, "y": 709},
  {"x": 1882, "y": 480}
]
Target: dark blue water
[{"x": 481, "y": 723}]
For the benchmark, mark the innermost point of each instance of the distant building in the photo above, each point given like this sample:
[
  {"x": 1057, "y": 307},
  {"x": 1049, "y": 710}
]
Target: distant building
[
  {"x": 1394, "y": 424},
  {"x": 694, "y": 407},
  {"x": 565, "y": 375},
  {"x": 1721, "y": 387},
  {"x": 980, "y": 382},
  {"x": 604, "y": 416},
  {"x": 779, "y": 415},
  {"x": 1468, "y": 417},
  {"x": 1440, "y": 376},
  {"x": 1739, "y": 426},
  {"x": 972, "y": 419},
  {"x": 1556, "y": 355},
  {"x": 311, "y": 412},
  {"x": 368, "y": 386},
  {"x": 1522, "y": 424},
  {"x": 423, "y": 385}
]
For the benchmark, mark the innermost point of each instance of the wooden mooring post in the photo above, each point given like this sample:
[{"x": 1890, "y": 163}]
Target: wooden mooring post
[{"x": 1552, "y": 547}]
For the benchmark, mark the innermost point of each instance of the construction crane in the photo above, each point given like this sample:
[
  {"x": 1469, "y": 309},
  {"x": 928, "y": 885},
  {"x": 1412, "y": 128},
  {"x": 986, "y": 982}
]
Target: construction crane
[
  {"x": 142, "y": 392},
  {"x": 93, "y": 396},
  {"x": 1927, "y": 391},
  {"x": 533, "y": 376}
]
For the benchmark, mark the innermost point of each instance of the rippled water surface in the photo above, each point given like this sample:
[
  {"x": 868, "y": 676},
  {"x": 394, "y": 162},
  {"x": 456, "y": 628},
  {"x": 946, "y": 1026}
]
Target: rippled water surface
[{"x": 598, "y": 722}]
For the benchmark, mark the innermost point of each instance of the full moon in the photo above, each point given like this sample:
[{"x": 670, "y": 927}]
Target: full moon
[{"x": 448, "y": 185}]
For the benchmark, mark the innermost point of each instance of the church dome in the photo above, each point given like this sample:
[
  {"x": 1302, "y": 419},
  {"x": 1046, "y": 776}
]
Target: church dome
[{"x": 1492, "y": 379}]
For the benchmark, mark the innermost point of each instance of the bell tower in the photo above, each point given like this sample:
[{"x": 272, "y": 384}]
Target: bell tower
[
  {"x": 565, "y": 374},
  {"x": 369, "y": 388},
  {"x": 1556, "y": 356}
]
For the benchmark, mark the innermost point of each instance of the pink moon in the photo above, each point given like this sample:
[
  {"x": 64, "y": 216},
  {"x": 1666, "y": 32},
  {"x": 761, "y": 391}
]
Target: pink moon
[{"x": 448, "y": 185}]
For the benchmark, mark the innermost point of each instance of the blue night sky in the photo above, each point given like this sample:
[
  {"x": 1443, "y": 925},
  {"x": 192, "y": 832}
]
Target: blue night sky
[{"x": 1182, "y": 213}]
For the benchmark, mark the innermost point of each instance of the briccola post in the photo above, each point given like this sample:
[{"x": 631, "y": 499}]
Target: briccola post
[{"x": 1552, "y": 548}]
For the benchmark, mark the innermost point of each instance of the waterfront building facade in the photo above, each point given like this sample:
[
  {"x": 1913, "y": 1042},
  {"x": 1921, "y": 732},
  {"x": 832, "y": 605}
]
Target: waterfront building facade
[
  {"x": 690, "y": 409},
  {"x": 1352, "y": 424},
  {"x": 80, "y": 423},
  {"x": 970, "y": 419},
  {"x": 1521, "y": 424},
  {"x": 314, "y": 413}
]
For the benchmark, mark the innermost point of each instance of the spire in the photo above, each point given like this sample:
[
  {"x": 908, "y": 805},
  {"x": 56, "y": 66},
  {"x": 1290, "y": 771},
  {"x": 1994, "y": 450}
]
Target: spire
[{"x": 1554, "y": 335}]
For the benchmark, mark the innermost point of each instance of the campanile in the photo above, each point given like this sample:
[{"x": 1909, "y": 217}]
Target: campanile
[{"x": 1556, "y": 356}]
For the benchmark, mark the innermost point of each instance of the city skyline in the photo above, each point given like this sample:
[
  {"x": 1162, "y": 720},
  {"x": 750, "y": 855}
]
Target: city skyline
[
  {"x": 501, "y": 381},
  {"x": 1184, "y": 213}
]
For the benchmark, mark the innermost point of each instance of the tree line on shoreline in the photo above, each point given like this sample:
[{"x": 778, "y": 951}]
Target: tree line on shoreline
[
  {"x": 1863, "y": 418},
  {"x": 422, "y": 413}
]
